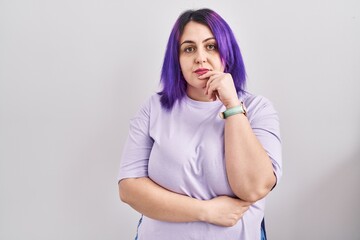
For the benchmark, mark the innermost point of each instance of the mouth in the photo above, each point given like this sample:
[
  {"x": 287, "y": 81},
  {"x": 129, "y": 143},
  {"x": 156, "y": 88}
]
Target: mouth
[{"x": 201, "y": 71}]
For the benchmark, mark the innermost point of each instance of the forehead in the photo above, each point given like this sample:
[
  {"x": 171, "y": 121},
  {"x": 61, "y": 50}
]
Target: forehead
[{"x": 194, "y": 31}]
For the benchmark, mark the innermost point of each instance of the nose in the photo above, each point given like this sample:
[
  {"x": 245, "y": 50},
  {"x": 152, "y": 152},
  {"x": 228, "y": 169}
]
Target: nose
[{"x": 200, "y": 57}]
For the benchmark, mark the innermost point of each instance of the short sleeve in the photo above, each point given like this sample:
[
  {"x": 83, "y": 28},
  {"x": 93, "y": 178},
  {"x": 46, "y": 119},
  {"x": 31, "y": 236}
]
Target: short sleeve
[
  {"x": 138, "y": 145},
  {"x": 264, "y": 121}
]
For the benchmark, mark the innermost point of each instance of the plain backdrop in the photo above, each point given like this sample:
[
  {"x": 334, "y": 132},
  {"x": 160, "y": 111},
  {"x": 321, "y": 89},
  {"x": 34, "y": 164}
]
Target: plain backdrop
[{"x": 73, "y": 72}]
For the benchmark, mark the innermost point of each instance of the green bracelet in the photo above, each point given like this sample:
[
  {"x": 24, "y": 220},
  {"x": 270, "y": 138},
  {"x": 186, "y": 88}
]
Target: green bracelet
[{"x": 232, "y": 111}]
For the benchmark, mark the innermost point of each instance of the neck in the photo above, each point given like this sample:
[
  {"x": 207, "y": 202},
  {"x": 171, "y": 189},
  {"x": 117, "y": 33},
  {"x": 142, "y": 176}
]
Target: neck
[{"x": 197, "y": 95}]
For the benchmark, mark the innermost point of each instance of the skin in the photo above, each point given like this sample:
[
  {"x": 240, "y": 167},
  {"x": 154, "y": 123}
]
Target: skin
[
  {"x": 198, "y": 49},
  {"x": 158, "y": 203},
  {"x": 248, "y": 166}
]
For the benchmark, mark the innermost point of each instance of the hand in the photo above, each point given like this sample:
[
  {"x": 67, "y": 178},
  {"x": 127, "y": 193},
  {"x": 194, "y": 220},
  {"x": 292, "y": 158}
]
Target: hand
[
  {"x": 221, "y": 85},
  {"x": 224, "y": 211}
]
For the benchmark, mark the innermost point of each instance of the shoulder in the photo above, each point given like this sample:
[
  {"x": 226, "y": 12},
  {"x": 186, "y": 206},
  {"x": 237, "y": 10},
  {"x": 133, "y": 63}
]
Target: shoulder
[
  {"x": 151, "y": 104},
  {"x": 254, "y": 101},
  {"x": 257, "y": 106}
]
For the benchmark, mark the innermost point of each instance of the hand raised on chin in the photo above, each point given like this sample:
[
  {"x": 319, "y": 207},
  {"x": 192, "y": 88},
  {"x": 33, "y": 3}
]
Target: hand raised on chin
[{"x": 221, "y": 85}]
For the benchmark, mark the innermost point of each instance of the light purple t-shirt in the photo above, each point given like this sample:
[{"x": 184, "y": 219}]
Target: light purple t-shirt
[{"x": 183, "y": 151}]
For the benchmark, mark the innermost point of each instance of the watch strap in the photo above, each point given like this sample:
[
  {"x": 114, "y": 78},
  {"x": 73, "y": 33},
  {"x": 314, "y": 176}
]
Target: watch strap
[{"x": 240, "y": 109}]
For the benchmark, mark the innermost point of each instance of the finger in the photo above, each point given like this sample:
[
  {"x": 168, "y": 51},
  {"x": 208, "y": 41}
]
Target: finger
[
  {"x": 214, "y": 96},
  {"x": 212, "y": 90},
  {"x": 209, "y": 81},
  {"x": 212, "y": 80},
  {"x": 219, "y": 78},
  {"x": 208, "y": 74},
  {"x": 208, "y": 84},
  {"x": 208, "y": 87}
]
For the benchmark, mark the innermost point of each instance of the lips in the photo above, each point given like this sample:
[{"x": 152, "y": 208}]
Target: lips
[{"x": 201, "y": 71}]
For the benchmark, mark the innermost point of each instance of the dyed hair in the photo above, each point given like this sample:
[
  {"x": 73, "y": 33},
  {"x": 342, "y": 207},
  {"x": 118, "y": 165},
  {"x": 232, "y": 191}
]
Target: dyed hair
[{"x": 172, "y": 79}]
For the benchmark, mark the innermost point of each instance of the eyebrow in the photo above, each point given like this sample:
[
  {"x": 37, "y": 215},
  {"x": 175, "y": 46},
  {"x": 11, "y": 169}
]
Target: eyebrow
[{"x": 189, "y": 41}]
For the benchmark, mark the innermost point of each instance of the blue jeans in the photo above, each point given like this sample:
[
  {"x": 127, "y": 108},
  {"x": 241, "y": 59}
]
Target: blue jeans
[
  {"x": 262, "y": 237},
  {"x": 263, "y": 230}
]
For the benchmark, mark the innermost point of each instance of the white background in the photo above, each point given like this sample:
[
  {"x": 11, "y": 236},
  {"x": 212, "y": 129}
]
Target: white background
[{"x": 72, "y": 73}]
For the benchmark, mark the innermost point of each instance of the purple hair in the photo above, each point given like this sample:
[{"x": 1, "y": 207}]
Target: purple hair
[{"x": 173, "y": 82}]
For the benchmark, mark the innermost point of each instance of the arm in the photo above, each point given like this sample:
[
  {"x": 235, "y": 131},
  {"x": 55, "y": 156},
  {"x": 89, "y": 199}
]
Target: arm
[
  {"x": 155, "y": 202},
  {"x": 248, "y": 166}
]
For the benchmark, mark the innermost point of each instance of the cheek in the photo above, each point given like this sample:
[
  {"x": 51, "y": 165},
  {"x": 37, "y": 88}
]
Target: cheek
[
  {"x": 220, "y": 64},
  {"x": 217, "y": 63},
  {"x": 184, "y": 64},
  {"x": 222, "y": 67},
  {"x": 186, "y": 68},
  {"x": 183, "y": 67}
]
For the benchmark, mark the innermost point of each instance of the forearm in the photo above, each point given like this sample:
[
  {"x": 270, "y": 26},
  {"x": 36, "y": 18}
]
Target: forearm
[
  {"x": 158, "y": 203},
  {"x": 155, "y": 202},
  {"x": 248, "y": 166}
]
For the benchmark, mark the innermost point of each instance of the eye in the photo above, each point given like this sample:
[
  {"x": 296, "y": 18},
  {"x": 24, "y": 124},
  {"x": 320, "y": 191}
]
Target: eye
[
  {"x": 211, "y": 47},
  {"x": 189, "y": 49}
]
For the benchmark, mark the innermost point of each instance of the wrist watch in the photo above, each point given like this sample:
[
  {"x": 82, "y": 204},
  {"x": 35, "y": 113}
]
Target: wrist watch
[{"x": 232, "y": 111}]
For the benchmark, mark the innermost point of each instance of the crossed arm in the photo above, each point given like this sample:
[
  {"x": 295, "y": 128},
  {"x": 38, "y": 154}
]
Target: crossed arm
[
  {"x": 249, "y": 172},
  {"x": 158, "y": 203},
  {"x": 248, "y": 166}
]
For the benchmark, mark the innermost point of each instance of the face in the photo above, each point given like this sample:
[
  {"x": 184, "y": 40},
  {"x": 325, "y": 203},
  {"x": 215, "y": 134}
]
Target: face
[{"x": 198, "y": 54}]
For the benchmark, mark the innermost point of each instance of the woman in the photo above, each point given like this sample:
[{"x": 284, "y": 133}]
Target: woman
[{"x": 192, "y": 174}]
